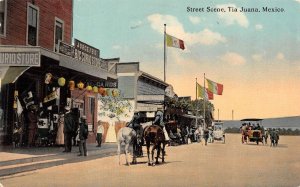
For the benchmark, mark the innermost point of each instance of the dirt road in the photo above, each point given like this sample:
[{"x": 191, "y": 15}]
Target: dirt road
[{"x": 230, "y": 164}]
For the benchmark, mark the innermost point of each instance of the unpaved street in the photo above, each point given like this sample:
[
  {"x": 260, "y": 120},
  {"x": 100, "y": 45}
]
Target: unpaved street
[{"x": 230, "y": 164}]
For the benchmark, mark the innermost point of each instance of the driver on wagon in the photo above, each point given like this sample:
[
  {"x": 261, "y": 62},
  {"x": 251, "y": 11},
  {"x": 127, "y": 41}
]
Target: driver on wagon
[
  {"x": 159, "y": 120},
  {"x": 135, "y": 123}
]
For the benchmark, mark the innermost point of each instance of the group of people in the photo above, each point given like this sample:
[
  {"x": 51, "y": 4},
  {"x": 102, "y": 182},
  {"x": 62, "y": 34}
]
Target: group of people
[
  {"x": 70, "y": 128},
  {"x": 274, "y": 135},
  {"x": 135, "y": 123}
]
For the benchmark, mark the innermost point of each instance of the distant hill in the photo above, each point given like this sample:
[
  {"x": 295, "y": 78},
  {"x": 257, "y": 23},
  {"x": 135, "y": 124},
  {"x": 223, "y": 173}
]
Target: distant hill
[{"x": 284, "y": 122}]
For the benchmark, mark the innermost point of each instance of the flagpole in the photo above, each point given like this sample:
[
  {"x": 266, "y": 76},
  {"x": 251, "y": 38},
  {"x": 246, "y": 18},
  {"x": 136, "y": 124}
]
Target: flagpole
[
  {"x": 196, "y": 105},
  {"x": 165, "y": 57},
  {"x": 204, "y": 99}
]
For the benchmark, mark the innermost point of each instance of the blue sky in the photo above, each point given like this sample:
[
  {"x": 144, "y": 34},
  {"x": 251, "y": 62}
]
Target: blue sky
[{"x": 256, "y": 56}]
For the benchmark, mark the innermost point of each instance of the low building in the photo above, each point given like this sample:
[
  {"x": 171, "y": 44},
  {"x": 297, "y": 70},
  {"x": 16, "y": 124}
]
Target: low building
[{"x": 147, "y": 91}]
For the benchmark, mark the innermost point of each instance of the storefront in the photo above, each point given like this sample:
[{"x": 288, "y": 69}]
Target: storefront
[{"x": 49, "y": 81}]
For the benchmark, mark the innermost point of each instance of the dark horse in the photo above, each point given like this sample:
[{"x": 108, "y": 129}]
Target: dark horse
[{"x": 155, "y": 135}]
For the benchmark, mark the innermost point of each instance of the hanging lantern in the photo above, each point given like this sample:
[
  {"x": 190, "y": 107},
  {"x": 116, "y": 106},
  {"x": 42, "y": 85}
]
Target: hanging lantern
[
  {"x": 101, "y": 91},
  {"x": 89, "y": 88},
  {"x": 71, "y": 85},
  {"x": 104, "y": 92},
  {"x": 95, "y": 89},
  {"x": 115, "y": 92},
  {"x": 61, "y": 81},
  {"x": 80, "y": 85},
  {"x": 48, "y": 78},
  {"x": 108, "y": 92}
]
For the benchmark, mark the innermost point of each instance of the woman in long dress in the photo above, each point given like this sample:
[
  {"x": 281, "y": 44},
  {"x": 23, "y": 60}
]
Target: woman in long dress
[{"x": 60, "y": 131}]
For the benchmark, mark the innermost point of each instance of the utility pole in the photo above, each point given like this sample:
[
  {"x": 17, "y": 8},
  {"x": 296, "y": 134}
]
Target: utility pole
[{"x": 232, "y": 115}]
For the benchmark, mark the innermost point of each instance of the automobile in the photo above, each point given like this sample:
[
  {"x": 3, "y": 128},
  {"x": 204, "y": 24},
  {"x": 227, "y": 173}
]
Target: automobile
[
  {"x": 252, "y": 130},
  {"x": 218, "y": 131}
]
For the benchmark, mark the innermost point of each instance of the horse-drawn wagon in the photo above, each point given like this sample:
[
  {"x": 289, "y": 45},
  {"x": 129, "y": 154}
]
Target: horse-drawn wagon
[{"x": 192, "y": 126}]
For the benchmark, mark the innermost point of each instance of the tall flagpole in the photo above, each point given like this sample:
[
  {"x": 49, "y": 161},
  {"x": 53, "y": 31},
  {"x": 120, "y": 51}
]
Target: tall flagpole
[
  {"x": 165, "y": 56},
  {"x": 204, "y": 102},
  {"x": 196, "y": 104}
]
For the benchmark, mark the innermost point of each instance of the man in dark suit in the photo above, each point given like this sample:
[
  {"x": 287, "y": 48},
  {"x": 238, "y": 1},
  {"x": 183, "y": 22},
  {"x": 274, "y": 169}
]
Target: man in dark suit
[
  {"x": 83, "y": 135},
  {"x": 69, "y": 124}
]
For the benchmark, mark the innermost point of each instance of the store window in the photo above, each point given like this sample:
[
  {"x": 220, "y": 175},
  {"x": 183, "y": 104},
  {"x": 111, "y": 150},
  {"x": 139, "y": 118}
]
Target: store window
[
  {"x": 32, "y": 25},
  {"x": 3, "y": 17},
  {"x": 59, "y": 32}
]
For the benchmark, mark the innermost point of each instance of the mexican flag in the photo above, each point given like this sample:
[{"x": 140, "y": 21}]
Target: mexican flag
[
  {"x": 174, "y": 42},
  {"x": 200, "y": 92},
  {"x": 214, "y": 87}
]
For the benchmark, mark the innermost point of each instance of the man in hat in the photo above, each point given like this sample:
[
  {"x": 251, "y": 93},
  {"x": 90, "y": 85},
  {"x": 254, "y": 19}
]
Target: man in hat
[
  {"x": 83, "y": 134},
  {"x": 159, "y": 120},
  {"x": 135, "y": 124},
  {"x": 32, "y": 124},
  {"x": 100, "y": 131},
  {"x": 69, "y": 124}
]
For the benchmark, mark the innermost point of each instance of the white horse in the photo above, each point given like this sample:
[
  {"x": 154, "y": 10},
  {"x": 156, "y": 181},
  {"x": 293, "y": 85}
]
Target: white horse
[{"x": 126, "y": 136}]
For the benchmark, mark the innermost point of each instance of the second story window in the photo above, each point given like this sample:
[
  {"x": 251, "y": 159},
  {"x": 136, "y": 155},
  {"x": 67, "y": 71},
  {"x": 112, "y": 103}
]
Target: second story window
[
  {"x": 59, "y": 32},
  {"x": 2, "y": 17},
  {"x": 32, "y": 25}
]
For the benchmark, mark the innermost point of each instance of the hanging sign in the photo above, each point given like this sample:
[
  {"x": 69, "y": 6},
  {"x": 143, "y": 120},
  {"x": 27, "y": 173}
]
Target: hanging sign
[
  {"x": 53, "y": 95},
  {"x": 87, "y": 53},
  {"x": 66, "y": 49}
]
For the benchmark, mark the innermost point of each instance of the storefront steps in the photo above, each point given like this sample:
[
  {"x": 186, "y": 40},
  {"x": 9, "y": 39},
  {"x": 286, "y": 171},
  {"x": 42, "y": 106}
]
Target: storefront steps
[{"x": 47, "y": 158}]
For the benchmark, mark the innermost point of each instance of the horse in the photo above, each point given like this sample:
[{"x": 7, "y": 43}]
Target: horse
[
  {"x": 155, "y": 135},
  {"x": 127, "y": 136}
]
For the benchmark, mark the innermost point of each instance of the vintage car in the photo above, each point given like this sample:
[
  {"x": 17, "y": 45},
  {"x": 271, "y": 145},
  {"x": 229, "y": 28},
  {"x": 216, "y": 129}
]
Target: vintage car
[
  {"x": 218, "y": 131},
  {"x": 252, "y": 130}
]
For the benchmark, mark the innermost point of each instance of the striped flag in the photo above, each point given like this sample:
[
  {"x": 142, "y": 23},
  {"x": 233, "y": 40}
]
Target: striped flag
[
  {"x": 200, "y": 93},
  {"x": 174, "y": 42},
  {"x": 214, "y": 87}
]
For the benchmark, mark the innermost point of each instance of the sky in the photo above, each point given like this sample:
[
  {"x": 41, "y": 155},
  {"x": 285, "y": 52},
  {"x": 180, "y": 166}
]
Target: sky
[{"x": 255, "y": 55}]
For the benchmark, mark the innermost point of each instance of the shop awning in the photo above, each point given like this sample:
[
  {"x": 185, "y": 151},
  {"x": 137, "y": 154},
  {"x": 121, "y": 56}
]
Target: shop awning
[
  {"x": 12, "y": 74},
  {"x": 77, "y": 65}
]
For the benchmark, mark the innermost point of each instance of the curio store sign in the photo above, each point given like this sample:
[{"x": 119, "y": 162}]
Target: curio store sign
[{"x": 26, "y": 58}]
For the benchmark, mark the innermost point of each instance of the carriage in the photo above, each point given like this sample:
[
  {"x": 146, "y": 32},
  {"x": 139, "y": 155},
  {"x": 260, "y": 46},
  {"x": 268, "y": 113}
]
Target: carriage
[
  {"x": 252, "y": 130},
  {"x": 218, "y": 131},
  {"x": 184, "y": 130},
  {"x": 191, "y": 126}
]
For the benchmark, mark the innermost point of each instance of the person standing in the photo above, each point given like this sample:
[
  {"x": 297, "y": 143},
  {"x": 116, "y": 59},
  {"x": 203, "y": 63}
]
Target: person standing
[
  {"x": 83, "y": 134},
  {"x": 100, "y": 131},
  {"x": 32, "y": 125},
  {"x": 69, "y": 124},
  {"x": 206, "y": 135}
]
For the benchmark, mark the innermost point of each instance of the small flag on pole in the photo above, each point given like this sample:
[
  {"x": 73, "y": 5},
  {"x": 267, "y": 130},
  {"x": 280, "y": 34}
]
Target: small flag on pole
[
  {"x": 174, "y": 42},
  {"x": 200, "y": 93},
  {"x": 214, "y": 87}
]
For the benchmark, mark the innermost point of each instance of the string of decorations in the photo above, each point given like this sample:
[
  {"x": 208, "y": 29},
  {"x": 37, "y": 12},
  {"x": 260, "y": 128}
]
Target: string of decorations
[{"x": 101, "y": 90}]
